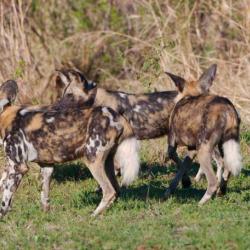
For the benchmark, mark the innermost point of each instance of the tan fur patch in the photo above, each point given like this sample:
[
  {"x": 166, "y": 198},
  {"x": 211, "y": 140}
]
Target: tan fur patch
[
  {"x": 127, "y": 130},
  {"x": 105, "y": 99},
  {"x": 192, "y": 88},
  {"x": 6, "y": 119},
  {"x": 35, "y": 124}
]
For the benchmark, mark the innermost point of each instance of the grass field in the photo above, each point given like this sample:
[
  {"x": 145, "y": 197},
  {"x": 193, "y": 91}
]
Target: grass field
[{"x": 137, "y": 220}]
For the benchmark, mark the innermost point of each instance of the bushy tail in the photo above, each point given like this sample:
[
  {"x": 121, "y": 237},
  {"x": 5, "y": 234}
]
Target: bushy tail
[
  {"x": 127, "y": 159},
  {"x": 232, "y": 156}
]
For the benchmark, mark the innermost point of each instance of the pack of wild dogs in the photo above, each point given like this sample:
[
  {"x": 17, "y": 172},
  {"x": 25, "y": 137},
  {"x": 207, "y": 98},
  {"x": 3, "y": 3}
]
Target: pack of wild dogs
[{"x": 103, "y": 128}]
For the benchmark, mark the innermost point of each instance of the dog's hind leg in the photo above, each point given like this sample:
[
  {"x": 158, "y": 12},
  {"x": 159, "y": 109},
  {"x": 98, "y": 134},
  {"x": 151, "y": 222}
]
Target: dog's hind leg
[
  {"x": 186, "y": 182},
  {"x": 204, "y": 158},
  {"x": 113, "y": 173},
  {"x": 110, "y": 170},
  {"x": 46, "y": 173},
  {"x": 182, "y": 169},
  {"x": 199, "y": 175},
  {"x": 219, "y": 164},
  {"x": 223, "y": 184},
  {"x": 97, "y": 169},
  {"x": 3, "y": 177}
]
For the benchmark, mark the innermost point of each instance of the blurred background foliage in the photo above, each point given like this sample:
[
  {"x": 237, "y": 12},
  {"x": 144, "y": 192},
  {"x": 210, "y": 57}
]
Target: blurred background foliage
[{"x": 126, "y": 45}]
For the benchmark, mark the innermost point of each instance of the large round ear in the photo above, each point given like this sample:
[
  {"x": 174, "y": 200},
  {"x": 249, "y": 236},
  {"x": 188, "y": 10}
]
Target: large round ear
[
  {"x": 207, "y": 78},
  {"x": 9, "y": 90},
  {"x": 61, "y": 79},
  {"x": 178, "y": 81},
  {"x": 87, "y": 85},
  {"x": 8, "y": 93}
]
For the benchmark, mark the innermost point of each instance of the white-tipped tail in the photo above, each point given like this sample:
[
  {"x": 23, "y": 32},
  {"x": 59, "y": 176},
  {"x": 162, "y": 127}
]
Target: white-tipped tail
[
  {"x": 232, "y": 156},
  {"x": 127, "y": 158}
]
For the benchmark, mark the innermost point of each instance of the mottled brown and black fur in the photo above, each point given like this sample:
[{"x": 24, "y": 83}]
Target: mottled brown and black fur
[
  {"x": 147, "y": 114},
  {"x": 58, "y": 133},
  {"x": 201, "y": 122}
]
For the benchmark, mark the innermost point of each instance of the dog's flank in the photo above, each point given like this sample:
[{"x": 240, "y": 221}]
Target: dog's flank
[{"x": 60, "y": 133}]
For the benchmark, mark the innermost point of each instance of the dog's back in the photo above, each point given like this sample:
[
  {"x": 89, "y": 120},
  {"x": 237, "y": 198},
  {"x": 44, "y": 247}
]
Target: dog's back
[{"x": 201, "y": 118}]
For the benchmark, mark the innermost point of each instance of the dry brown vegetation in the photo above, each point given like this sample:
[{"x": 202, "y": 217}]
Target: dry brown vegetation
[{"x": 127, "y": 44}]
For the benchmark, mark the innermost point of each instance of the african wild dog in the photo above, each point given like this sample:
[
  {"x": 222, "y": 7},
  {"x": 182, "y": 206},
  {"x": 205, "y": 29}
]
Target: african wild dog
[
  {"x": 147, "y": 114},
  {"x": 202, "y": 121},
  {"x": 62, "y": 132}
]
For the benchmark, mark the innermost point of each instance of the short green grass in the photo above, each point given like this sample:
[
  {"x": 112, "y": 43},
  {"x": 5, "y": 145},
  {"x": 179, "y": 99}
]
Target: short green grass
[{"x": 139, "y": 219}]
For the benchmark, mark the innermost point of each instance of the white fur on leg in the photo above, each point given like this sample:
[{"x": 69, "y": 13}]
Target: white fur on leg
[
  {"x": 128, "y": 159},
  {"x": 232, "y": 156},
  {"x": 199, "y": 175},
  {"x": 4, "y": 176}
]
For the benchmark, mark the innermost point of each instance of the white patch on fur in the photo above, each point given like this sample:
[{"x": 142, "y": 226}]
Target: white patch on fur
[
  {"x": 178, "y": 97},
  {"x": 113, "y": 123},
  {"x": 122, "y": 95},
  {"x": 3, "y": 102},
  {"x": 232, "y": 156},
  {"x": 105, "y": 110},
  {"x": 159, "y": 99},
  {"x": 24, "y": 111},
  {"x": 50, "y": 120},
  {"x": 137, "y": 108},
  {"x": 91, "y": 144},
  {"x": 31, "y": 153},
  {"x": 3, "y": 177},
  {"x": 17, "y": 155},
  {"x": 127, "y": 158}
]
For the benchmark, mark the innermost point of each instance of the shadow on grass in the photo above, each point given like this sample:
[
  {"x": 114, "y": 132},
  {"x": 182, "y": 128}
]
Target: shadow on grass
[
  {"x": 152, "y": 190},
  {"x": 168, "y": 168},
  {"x": 71, "y": 172},
  {"x": 155, "y": 191},
  {"x": 245, "y": 172},
  {"x": 76, "y": 171}
]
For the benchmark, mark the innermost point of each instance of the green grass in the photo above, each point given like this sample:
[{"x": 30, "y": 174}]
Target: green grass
[{"x": 137, "y": 220}]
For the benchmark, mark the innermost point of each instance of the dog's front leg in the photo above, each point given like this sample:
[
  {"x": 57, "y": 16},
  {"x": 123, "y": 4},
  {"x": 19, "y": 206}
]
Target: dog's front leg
[
  {"x": 15, "y": 173},
  {"x": 46, "y": 173}
]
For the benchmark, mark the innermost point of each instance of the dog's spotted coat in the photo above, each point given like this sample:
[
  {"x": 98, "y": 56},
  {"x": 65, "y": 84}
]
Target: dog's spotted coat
[{"x": 55, "y": 134}]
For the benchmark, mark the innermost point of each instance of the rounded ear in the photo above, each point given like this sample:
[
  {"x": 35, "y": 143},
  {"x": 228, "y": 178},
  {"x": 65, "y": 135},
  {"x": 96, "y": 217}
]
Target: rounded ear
[
  {"x": 86, "y": 84},
  {"x": 207, "y": 78},
  {"x": 178, "y": 81},
  {"x": 9, "y": 90},
  {"x": 61, "y": 79}
]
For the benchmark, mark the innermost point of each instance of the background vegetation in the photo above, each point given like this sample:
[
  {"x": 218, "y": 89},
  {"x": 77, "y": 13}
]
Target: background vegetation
[{"x": 128, "y": 45}]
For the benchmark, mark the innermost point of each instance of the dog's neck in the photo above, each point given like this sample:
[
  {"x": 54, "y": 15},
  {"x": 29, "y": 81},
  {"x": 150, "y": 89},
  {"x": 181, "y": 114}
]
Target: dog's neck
[{"x": 105, "y": 98}]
